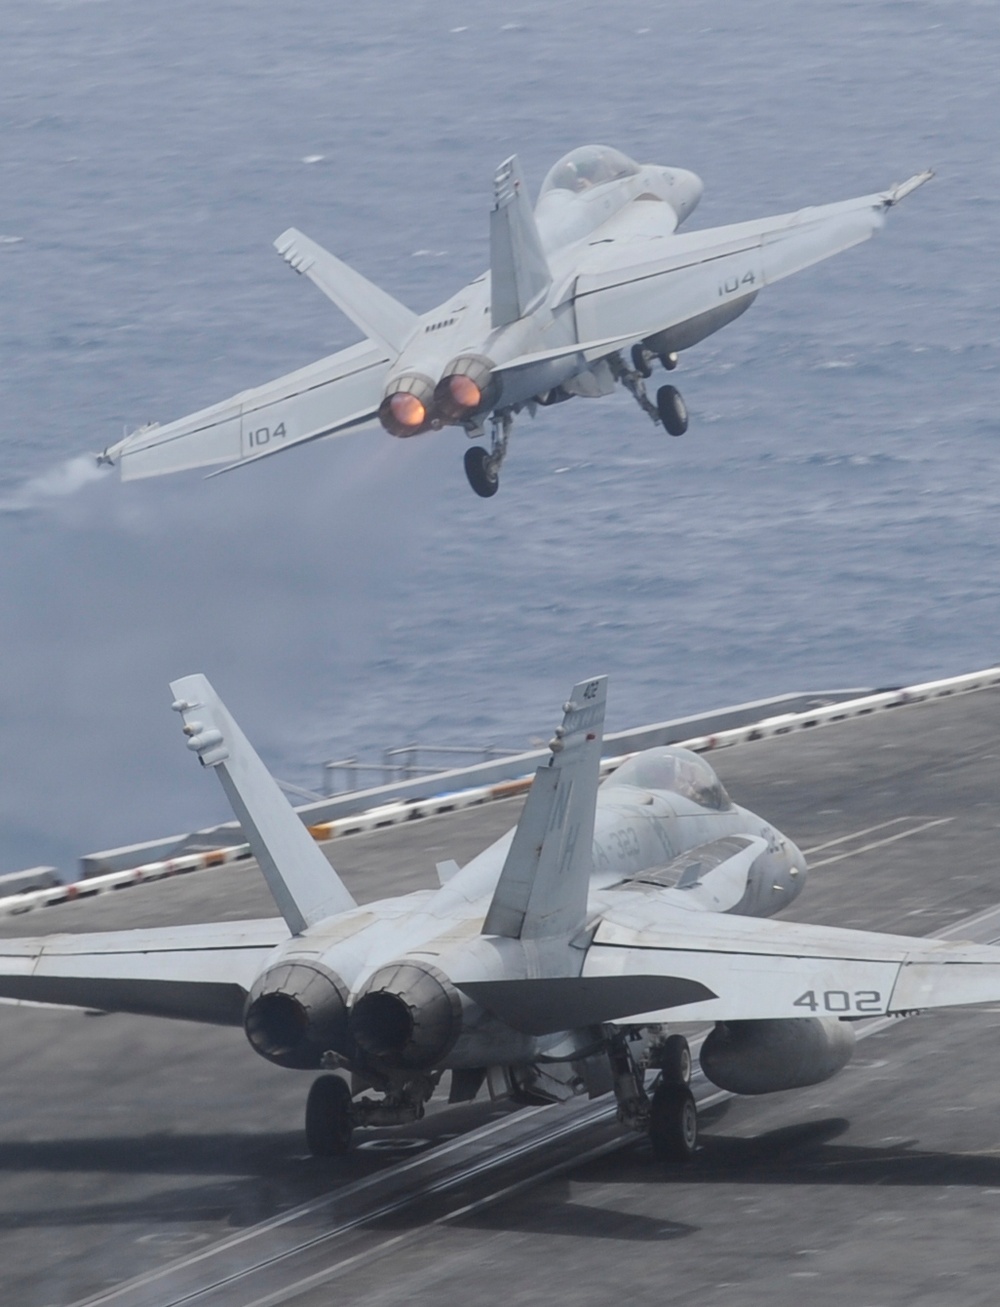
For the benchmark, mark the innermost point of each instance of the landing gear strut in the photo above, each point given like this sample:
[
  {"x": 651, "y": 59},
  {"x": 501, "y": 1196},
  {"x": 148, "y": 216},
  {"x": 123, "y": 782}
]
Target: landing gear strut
[
  {"x": 670, "y": 1115},
  {"x": 332, "y": 1114},
  {"x": 669, "y": 411},
  {"x": 483, "y": 468}
]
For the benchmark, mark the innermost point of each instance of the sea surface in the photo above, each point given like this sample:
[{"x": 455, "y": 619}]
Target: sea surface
[{"x": 831, "y": 519}]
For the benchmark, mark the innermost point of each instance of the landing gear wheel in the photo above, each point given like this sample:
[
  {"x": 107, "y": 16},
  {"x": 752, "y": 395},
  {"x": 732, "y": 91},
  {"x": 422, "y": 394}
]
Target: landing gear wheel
[
  {"x": 640, "y": 361},
  {"x": 328, "y": 1117},
  {"x": 672, "y": 410},
  {"x": 669, "y": 361},
  {"x": 481, "y": 470},
  {"x": 673, "y": 1057},
  {"x": 673, "y": 1123}
]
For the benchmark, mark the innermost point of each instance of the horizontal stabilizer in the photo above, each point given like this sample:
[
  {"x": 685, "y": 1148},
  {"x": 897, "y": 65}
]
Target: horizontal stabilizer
[
  {"x": 589, "y": 351},
  {"x": 519, "y": 270},
  {"x": 304, "y": 885},
  {"x": 377, "y": 314},
  {"x": 548, "y": 1004},
  {"x": 543, "y": 887},
  {"x": 195, "y": 973}
]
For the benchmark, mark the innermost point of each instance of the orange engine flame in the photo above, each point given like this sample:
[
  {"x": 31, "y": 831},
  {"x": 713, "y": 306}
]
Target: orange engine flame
[
  {"x": 465, "y": 392},
  {"x": 407, "y": 410}
]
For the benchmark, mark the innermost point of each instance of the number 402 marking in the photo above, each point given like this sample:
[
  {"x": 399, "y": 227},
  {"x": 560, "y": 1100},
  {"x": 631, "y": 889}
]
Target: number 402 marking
[{"x": 841, "y": 1000}]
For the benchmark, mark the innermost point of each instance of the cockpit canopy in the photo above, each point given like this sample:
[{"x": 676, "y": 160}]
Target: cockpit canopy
[
  {"x": 677, "y": 770},
  {"x": 590, "y": 165}
]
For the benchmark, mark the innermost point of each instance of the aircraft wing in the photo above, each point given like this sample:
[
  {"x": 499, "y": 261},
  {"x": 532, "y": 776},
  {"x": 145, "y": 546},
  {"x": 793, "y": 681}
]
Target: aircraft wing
[
  {"x": 198, "y": 973},
  {"x": 331, "y": 397},
  {"x": 684, "y": 278},
  {"x": 647, "y": 966}
]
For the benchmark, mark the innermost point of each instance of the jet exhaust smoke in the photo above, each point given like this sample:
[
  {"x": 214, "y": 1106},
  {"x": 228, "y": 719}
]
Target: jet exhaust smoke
[{"x": 59, "y": 482}]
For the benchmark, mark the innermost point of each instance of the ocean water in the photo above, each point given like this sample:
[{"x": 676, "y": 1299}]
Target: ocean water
[{"x": 830, "y": 519}]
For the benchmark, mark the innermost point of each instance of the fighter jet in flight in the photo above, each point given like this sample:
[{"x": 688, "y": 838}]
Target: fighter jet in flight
[
  {"x": 555, "y": 962},
  {"x": 587, "y": 291}
]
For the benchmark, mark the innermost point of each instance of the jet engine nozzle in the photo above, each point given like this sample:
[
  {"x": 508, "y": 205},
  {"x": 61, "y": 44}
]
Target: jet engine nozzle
[
  {"x": 296, "y": 1012},
  {"x": 409, "y": 1014},
  {"x": 468, "y": 386},
  {"x": 406, "y": 407}
]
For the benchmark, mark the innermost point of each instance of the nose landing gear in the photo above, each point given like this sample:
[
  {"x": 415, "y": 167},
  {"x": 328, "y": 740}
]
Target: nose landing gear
[{"x": 482, "y": 467}]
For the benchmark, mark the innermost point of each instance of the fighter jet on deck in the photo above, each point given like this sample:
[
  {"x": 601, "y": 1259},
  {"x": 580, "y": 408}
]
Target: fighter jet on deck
[
  {"x": 555, "y": 962},
  {"x": 586, "y": 292}
]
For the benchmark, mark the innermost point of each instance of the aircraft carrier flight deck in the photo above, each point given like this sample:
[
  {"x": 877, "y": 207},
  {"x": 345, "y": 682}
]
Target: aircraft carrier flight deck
[{"x": 146, "y": 1162}]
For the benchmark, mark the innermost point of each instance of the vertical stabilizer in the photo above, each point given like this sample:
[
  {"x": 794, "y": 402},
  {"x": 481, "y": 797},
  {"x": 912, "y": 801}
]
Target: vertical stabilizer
[
  {"x": 543, "y": 888},
  {"x": 370, "y": 308},
  {"x": 519, "y": 271},
  {"x": 305, "y": 887}
]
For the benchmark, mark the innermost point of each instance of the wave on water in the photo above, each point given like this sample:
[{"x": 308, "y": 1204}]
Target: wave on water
[{"x": 59, "y": 482}]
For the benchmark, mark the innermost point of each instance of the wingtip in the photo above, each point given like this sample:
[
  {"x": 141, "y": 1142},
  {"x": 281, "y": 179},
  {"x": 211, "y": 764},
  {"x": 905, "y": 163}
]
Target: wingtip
[{"x": 900, "y": 191}]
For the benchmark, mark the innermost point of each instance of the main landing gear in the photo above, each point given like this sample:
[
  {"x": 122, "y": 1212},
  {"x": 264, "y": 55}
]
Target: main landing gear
[
  {"x": 482, "y": 467},
  {"x": 332, "y": 1114},
  {"x": 329, "y": 1117},
  {"x": 669, "y": 1115},
  {"x": 669, "y": 411}
]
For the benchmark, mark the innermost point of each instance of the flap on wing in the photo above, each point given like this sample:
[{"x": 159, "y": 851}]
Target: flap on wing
[
  {"x": 759, "y": 970},
  {"x": 333, "y": 395},
  {"x": 702, "y": 272},
  {"x": 197, "y": 973}
]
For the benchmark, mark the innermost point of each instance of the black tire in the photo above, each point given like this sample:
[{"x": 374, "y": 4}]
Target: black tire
[
  {"x": 673, "y": 1057},
  {"x": 672, "y": 410},
  {"x": 328, "y": 1117},
  {"x": 673, "y": 1123},
  {"x": 483, "y": 477},
  {"x": 640, "y": 361},
  {"x": 669, "y": 361}
]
